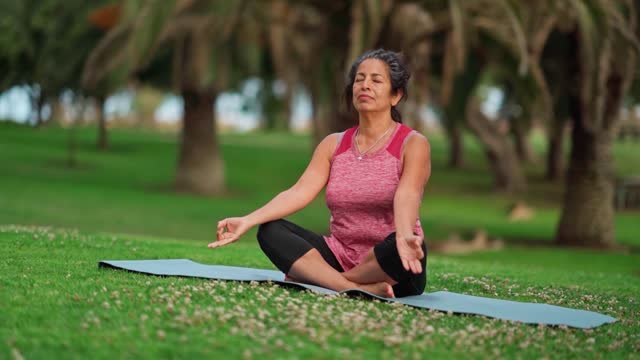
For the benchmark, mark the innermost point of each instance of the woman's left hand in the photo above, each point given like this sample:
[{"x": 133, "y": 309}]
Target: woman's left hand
[{"x": 410, "y": 251}]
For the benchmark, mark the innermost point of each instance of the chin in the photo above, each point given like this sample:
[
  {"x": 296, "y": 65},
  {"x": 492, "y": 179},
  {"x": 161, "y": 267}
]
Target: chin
[{"x": 366, "y": 109}]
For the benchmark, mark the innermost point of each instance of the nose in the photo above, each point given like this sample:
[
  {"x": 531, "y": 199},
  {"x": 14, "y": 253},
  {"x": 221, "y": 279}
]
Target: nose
[{"x": 365, "y": 83}]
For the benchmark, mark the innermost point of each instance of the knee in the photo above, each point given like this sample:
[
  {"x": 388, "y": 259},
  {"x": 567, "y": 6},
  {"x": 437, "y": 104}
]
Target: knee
[
  {"x": 421, "y": 283},
  {"x": 267, "y": 230},
  {"x": 414, "y": 286}
]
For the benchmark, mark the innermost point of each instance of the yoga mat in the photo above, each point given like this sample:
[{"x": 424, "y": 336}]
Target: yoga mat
[{"x": 529, "y": 313}]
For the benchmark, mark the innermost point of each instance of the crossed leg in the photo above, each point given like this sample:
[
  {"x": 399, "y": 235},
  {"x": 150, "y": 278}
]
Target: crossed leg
[
  {"x": 368, "y": 276},
  {"x": 299, "y": 253},
  {"x": 368, "y": 271}
]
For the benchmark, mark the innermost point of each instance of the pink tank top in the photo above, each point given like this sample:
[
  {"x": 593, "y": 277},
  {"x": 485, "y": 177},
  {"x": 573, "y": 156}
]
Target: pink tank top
[{"x": 360, "y": 194}]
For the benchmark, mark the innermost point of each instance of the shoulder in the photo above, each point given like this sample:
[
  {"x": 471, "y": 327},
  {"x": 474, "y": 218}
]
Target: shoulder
[
  {"x": 417, "y": 145},
  {"x": 337, "y": 142},
  {"x": 330, "y": 141},
  {"x": 328, "y": 145},
  {"x": 416, "y": 140}
]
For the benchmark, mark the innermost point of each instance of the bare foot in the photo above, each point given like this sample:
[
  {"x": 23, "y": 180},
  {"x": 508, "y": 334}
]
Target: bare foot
[{"x": 381, "y": 289}]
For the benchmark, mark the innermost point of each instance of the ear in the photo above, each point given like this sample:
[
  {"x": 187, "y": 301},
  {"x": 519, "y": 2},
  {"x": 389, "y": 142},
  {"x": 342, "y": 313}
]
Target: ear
[{"x": 395, "y": 98}]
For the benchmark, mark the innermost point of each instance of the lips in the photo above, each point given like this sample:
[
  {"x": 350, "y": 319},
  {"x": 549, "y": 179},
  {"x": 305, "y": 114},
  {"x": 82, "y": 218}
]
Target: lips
[{"x": 364, "y": 97}]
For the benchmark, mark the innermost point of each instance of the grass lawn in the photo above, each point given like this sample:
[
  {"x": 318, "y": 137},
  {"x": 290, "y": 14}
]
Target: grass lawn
[{"x": 55, "y": 302}]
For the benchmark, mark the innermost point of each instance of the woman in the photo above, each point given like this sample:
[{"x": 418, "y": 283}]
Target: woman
[{"x": 375, "y": 175}]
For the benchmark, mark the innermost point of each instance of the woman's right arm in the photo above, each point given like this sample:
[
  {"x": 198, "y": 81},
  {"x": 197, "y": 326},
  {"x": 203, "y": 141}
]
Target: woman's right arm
[
  {"x": 303, "y": 192},
  {"x": 298, "y": 196}
]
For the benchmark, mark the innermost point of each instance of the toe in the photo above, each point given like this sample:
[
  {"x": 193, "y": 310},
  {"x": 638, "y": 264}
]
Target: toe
[{"x": 390, "y": 291}]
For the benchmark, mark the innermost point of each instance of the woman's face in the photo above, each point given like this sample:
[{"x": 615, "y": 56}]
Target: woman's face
[{"x": 372, "y": 88}]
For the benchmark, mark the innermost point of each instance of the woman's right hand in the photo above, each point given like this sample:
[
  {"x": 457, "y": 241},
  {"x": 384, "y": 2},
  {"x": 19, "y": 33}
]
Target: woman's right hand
[{"x": 230, "y": 230}]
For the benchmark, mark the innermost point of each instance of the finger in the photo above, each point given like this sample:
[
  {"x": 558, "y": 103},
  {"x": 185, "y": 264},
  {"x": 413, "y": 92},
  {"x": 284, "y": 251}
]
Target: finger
[
  {"x": 412, "y": 264},
  {"x": 220, "y": 228},
  {"x": 216, "y": 244},
  {"x": 227, "y": 239},
  {"x": 418, "y": 267},
  {"x": 220, "y": 243},
  {"x": 405, "y": 265},
  {"x": 229, "y": 236}
]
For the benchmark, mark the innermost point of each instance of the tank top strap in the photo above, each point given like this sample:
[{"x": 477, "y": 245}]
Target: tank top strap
[
  {"x": 344, "y": 142},
  {"x": 395, "y": 147}
]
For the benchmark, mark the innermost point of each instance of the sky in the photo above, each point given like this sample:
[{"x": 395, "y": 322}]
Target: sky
[{"x": 15, "y": 105}]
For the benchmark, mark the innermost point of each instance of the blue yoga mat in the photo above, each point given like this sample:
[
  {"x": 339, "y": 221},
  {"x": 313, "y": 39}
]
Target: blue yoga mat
[{"x": 529, "y": 313}]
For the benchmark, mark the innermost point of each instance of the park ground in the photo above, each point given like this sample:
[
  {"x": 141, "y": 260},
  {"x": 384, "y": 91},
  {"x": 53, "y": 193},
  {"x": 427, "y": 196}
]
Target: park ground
[{"x": 57, "y": 222}]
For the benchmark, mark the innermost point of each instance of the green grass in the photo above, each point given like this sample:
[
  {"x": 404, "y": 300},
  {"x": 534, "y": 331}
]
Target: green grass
[
  {"x": 55, "y": 302},
  {"x": 128, "y": 188}
]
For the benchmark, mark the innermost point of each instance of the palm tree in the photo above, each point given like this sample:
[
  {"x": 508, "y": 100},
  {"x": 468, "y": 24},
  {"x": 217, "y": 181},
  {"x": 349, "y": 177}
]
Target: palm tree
[
  {"x": 302, "y": 54},
  {"x": 45, "y": 56},
  {"x": 209, "y": 45},
  {"x": 605, "y": 36},
  {"x": 475, "y": 36}
]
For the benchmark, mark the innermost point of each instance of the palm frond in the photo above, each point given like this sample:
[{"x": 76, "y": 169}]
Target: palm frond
[
  {"x": 515, "y": 26},
  {"x": 458, "y": 29},
  {"x": 150, "y": 21},
  {"x": 107, "y": 55},
  {"x": 366, "y": 23},
  {"x": 625, "y": 25}
]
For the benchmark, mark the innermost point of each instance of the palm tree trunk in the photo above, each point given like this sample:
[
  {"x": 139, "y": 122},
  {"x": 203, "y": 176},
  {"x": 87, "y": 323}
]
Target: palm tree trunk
[
  {"x": 39, "y": 102},
  {"x": 455, "y": 104},
  {"x": 78, "y": 108},
  {"x": 200, "y": 167},
  {"x": 456, "y": 145},
  {"x": 103, "y": 141},
  {"x": 321, "y": 118},
  {"x": 587, "y": 217},
  {"x": 328, "y": 113},
  {"x": 520, "y": 132},
  {"x": 555, "y": 150},
  {"x": 587, "y": 214},
  {"x": 57, "y": 114},
  {"x": 508, "y": 174},
  {"x": 275, "y": 110}
]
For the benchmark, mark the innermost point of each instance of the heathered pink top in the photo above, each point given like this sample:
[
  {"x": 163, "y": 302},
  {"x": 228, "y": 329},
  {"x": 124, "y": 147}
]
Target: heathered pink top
[{"x": 360, "y": 195}]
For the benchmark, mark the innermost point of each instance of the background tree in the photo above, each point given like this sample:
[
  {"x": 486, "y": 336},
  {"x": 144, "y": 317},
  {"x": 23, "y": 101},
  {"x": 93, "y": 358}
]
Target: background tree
[
  {"x": 301, "y": 54},
  {"x": 44, "y": 55},
  {"x": 210, "y": 45},
  {"x": 603, "y": 36}
]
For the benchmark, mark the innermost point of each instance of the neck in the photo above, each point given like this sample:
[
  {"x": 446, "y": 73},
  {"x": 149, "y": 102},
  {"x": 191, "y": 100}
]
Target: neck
[{"x": 372, "y": 125}]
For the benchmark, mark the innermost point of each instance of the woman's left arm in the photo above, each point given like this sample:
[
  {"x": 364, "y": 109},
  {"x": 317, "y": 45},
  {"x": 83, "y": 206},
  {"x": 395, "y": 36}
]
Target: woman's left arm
[
  {"x": 415, "y": 174},
  {"x": 406, "y": 202}
]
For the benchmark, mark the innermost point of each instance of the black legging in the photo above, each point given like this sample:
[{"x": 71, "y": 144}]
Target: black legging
[{"x": 285, "y": 242}]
